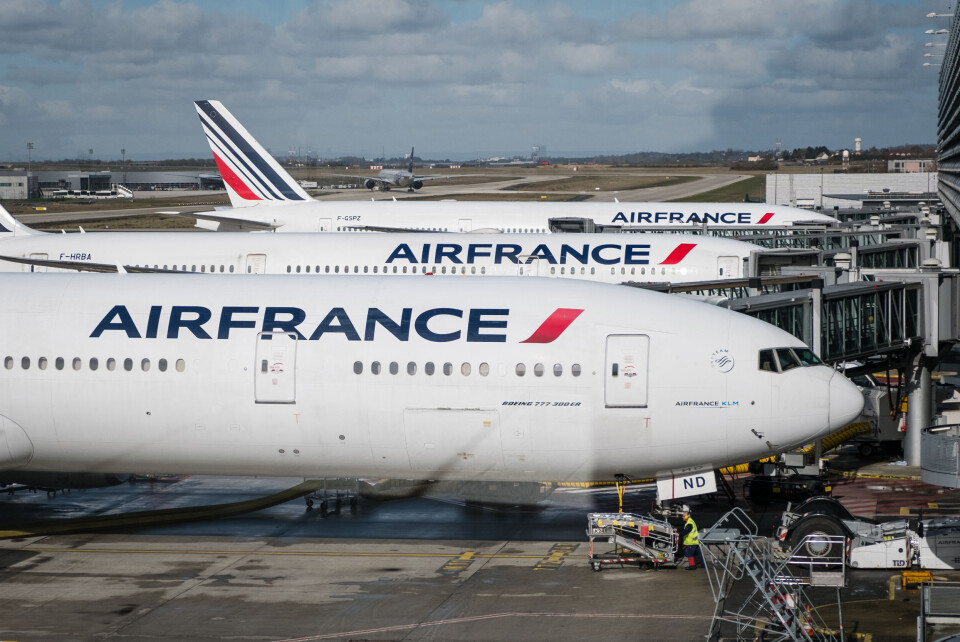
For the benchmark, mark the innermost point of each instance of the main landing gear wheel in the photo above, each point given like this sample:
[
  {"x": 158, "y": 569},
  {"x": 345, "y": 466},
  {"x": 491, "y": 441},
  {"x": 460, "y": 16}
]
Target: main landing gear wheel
[{"x": 809, "y": 538}]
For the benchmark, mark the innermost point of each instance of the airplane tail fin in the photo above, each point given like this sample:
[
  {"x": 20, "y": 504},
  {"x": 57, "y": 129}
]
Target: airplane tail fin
[
  {"x": 410, "y": 164},
  {"x": 10, "y": 226},
  {"x": 251, "y": 175}
]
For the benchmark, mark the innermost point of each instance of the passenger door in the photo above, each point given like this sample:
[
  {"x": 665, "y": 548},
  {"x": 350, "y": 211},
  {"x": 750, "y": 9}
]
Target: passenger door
[
  {"x": 275, "y": 374},
  {"x": 256, "y": 263},
  {"x": 728, "y": 267},
  {"x": 625, "y": 383}
]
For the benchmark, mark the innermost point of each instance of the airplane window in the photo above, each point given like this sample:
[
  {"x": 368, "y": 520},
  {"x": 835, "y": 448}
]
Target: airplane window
[
  {"x": 184, "y": 268},
  {"x": 767, "y": 362},
  {"x": 623, "y": 270},
  {"x": 428, "y": 368},
  {"x": 521, "y": 369},
  {"x": 366, "y": 268},
  {"x": 643, "y": 270},
  {"x": 221, "y": 269},
  {"x": 374, "y": 269},
  {"x": 288, "y": 269},
  {"x": 326, "y": 269},
  {"x": 575, "y": 370},
  {"x": 448, "y": 368},
  {"x": 463, "y": 270},
  {"x": 128, "y": 364},
  {"x": 181, "y": 365},
  {"x": 613, "y": 270},
  {"x": 42, "y": 363},
  {"x": 25, "y": 363},
  {"x": 203, "y": 268},
  {"x": 307, "y": 269},
  {"x": 358, "y": 367},
  {"x": 193, "y": 268},
  {"x": 164, "y": 267},
  {"x": 473, "y": 269},
  {"x": 484, "y": 369},
  {"x": 58, "y": 364},
  {"x": 557, "y": 370},
  {"x": 77, "y": 363},
  {"x": 553, "y": 270},
  {"x": 663, "y": 271},
  {"x": 394, "y": 367},
  {"x": 633, "y": 270},
  {"x": 483, "y": 269},
  {"x": 162, "y": 365},
  {"x": 375, "y": 368},
  {"x": 356, "y": 269},
  {"x": 411, "y": 368},
  {"x": 298, "y": 269},
  {"x": 8, "y": 363},
  {"x": 521, "y": 270},
  {"x": 538, "y": 370},
  {"x": 231, "y": 268},
  {"x": 336, "y": 269},
  {"x": 111, "y": 364},
  {"x": 94, "y": 363},
  {"x": 563, "y": 270},
  {"x": 317, "y": 269},
  {"x": 465, "y": 369},
  {"x": 394, "y": 269},
  {"x": 807, "y": 357},
  {"x": 787, "y": 359},
  {"x": 145, "y": 365},
  {"x": 443, "y": 270}
]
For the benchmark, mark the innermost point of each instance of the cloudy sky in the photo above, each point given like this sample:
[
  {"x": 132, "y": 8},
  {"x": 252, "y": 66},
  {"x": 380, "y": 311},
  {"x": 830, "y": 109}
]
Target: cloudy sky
[{"x": 462, "y": 78}]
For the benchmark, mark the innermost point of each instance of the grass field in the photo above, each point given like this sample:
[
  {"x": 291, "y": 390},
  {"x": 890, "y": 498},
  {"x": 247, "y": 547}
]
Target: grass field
[
  {"x": 755, "y": 187},
  {"x": 604, "y": 182}
]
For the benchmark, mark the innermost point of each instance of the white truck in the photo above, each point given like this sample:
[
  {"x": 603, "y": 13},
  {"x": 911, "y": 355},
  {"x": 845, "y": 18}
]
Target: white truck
[{"x": 932, "y": 543}]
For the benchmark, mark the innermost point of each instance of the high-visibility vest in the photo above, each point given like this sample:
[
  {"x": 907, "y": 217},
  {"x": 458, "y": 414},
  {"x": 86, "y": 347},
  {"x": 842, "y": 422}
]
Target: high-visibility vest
[{"x": 691, "y": 538}]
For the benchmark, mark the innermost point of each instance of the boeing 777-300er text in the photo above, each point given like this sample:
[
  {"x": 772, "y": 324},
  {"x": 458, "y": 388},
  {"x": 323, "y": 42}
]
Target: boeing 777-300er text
[
  {"x": 265, "y": 197},
  {"x": 610, "y": 258},
  {"x": 400, "y": 377}
]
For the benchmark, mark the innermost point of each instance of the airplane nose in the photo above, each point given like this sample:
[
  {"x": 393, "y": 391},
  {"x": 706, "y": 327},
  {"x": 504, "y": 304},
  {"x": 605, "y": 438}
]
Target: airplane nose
[{"x": 846, "y": 401}]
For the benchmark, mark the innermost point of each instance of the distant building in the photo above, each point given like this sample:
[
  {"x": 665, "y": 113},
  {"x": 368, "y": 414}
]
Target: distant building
[{"x": 913, "y": 166}]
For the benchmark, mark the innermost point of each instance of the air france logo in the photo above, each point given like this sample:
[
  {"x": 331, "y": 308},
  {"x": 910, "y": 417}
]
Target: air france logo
[
  {"x": 437, "y": 325},
  {"x": 682, "y": 218},
  {"x": 722, "y": 360}
]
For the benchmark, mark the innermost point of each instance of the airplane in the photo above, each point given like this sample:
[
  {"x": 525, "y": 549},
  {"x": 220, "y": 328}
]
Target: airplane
[
  {"x": 264, "y": 197},
  {"x": 675, "y": 258},
  {"x": 390, "y": 178},
  {"x": 368, "y": 376}
]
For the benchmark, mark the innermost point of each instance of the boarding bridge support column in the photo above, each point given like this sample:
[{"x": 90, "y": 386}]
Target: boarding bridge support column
[{"x": 918, "y": 408}]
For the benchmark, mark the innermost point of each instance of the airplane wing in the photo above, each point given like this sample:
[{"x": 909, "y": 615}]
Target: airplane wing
[
  {"x": 242, "y": 224},
  {"x": 82, "y": 266}
]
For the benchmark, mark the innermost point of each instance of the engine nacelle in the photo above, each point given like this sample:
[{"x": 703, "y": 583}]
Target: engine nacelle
[
  {"x": 417, "y": 184},
  {"x": 369, "y": 183}
]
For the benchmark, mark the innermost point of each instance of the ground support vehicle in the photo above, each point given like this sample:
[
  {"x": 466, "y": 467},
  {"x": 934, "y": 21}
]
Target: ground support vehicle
[
  {"x": 932, "y": 543},
  {"x": 636, "y": 539}
]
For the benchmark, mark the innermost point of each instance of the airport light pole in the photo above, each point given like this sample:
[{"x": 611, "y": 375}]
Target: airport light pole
[{"x": 29, "y": 155}]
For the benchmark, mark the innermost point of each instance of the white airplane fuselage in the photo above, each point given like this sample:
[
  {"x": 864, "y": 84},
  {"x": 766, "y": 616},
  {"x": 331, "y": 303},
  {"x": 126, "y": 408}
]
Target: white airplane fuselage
[
  {"x": 675, "y": 258},
  {"x": 499, "y": 379},
  {"x": 516, "y": 217}
]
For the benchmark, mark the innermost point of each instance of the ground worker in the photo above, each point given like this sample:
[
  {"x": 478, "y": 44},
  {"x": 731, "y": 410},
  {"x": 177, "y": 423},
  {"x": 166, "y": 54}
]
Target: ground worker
[{"x": 691, "y": 541}]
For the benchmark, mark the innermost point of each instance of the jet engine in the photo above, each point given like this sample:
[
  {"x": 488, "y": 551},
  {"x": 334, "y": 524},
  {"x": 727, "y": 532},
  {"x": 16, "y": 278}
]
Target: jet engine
[
  {"x": 417, "y": 184},
  {"x": 369, "y": 183}
]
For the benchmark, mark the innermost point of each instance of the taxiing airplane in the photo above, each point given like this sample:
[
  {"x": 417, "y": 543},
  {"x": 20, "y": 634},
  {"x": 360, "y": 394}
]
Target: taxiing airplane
[
  {"x": 618, "y": 258},
  {"x": 266, "y": 198},
  {"x": 403, "y": 178},
  {"x": 400, "y": 377}
]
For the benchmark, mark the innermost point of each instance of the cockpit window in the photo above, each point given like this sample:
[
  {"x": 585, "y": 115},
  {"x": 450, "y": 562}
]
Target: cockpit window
[
  {"x": 783, "y": 359},
  {"x": 807, "y": 357},
  {"x": 766, "y": 361},
  {"x": 787, "y": 359}
]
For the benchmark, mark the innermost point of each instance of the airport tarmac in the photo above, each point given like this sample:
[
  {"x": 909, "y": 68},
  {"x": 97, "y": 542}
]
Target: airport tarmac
[{"x": 413, "y": 568}]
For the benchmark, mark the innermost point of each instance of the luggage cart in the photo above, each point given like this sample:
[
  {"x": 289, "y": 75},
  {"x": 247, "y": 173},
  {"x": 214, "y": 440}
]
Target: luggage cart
[{"x": 636, "y": 539}]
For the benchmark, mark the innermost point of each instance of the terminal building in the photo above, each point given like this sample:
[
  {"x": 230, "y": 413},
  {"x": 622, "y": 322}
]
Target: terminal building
[{"x": 20, "y": 184}]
